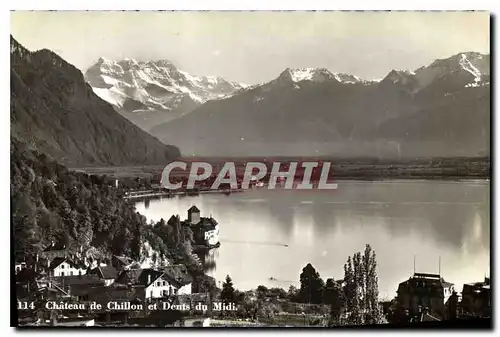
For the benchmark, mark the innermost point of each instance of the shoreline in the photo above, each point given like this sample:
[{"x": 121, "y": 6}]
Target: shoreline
[{"x": 188, "y": 193}]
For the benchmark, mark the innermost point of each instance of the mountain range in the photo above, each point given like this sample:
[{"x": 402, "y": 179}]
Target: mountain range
[
  {"x": 442, "y": 109},
  {"x": 150, "y": 93},
  {"x": 53, "y": 110}
]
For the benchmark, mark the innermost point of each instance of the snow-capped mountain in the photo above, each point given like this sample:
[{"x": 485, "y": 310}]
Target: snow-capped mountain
[
  {"x": 152, "y": 92},
  {"x": 469, "y": 69},
  {"x": 317, "y": 75},
  {"x": 440, "y": 109}
]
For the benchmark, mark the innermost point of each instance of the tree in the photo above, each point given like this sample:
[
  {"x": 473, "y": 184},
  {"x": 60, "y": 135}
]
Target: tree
[
  {"x": 361, "y": 288},
  {"x": 227, "y": 293},
  {"x": 311, "y": 285},
  {"x": 292, "y": 294},
  {"x": 373, "y": 313},
  {"x": 262, "y": 292},
  {"x": 334, "y": 297}
]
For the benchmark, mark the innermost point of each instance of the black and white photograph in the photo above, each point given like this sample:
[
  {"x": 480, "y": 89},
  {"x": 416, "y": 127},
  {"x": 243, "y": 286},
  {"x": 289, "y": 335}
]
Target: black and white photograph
[{"x": 250, "y": 169}]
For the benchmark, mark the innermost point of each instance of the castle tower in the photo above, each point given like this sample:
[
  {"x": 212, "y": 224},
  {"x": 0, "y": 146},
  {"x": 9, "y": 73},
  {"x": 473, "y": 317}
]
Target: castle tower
[{"x": 193, "y": 215}]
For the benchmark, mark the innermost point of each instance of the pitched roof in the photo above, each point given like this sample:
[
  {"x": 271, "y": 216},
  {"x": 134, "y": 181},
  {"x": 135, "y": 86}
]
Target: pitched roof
[
  {"x": 117, "y": 292},
  {"x": 425, "y": 282},
  {"x": 109, "y": 272},
  {"x": 426, "y": 317},
  {"x": 106, "y": 272},
  {"x": 123, "y": 260},
  {"x": 79, "y": 280},
  {"x": 176, "y": 275},
  {"x": 148, "y": 276},
  {"x": 194, "y": 209},
  {"x": 173, "y": 220},
  {"x": 58, "y": 260},
  {"x": 139, "y": 276}
]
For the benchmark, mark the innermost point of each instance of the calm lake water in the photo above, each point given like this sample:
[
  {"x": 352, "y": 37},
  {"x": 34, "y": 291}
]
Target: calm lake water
[{"x": 430, "y": 220}]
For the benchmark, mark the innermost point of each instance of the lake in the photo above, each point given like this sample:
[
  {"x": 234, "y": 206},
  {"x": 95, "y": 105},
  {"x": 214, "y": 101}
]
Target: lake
[{"x": 268, "y": 236}]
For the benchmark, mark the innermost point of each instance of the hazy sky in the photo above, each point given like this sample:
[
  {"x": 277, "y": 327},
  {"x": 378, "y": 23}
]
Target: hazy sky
[{"x": 252, "y": 47}]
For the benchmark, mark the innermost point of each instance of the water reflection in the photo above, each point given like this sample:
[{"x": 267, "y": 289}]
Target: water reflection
[{"x": 274, "y": 234}]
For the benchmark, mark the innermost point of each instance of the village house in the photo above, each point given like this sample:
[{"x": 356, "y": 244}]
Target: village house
[
  {"x": 106, "y": 273},
  {"x": 54, "y": 250},
  {"x": 425, "y": 292},
  {"x": 172, "y": 280},
  {"x": 61, "y": 266},
  {"x": 205, "y": 230},
  {"x": 476, "y": 299}
]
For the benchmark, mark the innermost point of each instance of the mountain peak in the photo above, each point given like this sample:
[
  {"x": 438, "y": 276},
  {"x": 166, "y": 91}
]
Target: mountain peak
[
  {"x": 398, "y": 76},
  {"x": 155, "y": 88},
  {"x": 306, "y": 74}
]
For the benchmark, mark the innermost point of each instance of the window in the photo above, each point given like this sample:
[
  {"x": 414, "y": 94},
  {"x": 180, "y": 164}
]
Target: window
[
  {"x": 62, "y": 273},
  {"x": 71, "y": 273},
  {"x": 164, "y": 283},
  {"x": 158, "y": 283},
  {"x": 62, "y": 266},
  {"x": 79, "y": 272}
]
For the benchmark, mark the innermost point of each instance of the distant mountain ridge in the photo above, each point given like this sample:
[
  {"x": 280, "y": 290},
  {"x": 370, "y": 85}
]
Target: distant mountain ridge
[
  {"x": 441, "y": 109},
  {"x": 152, "y": 92},
  {"x": 55, "y": 112}
]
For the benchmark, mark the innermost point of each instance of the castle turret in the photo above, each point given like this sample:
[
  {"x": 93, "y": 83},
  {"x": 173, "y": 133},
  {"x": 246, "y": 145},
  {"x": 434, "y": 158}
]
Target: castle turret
[{"x": 193, "y": 215}]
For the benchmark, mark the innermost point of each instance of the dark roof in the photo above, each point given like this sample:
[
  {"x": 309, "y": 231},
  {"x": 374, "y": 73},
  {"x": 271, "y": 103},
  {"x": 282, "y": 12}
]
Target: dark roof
[
  {"x": 173, "y": 219},
  {"x": 425, "y": 282},
  {"x": 426, "y": 317},
  {"x": 78, "y": 280},
  {"x": 123, "y": 260},
  {"x": 138, "y": 276},
  {"x": 109, "y": 272},
  {"x": 128, "y": 276},
  {"x": 106, "y": 272},
  {"x": 177, "y": 275},
  {"x": 150, "y": 275},
  {"x": 194, "y": 209},
  {"x": 116, "y": 292},
  {"x": 58, "y": 260}
]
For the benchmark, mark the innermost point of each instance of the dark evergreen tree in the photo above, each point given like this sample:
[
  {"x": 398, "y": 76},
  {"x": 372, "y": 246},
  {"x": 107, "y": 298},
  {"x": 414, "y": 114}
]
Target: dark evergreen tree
[
  {"x": 311, "y": 285},
  {"x": 334, "y": 297},
  {"x": 227, "y": 293}
]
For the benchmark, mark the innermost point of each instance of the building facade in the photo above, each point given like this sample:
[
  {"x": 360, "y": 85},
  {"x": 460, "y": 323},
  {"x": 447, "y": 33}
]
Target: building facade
[{"x": 429, "y": 292}]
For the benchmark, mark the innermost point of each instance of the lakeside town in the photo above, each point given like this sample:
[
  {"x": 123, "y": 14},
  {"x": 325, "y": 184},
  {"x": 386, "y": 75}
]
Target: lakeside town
[{"x": 60, "y": 287}]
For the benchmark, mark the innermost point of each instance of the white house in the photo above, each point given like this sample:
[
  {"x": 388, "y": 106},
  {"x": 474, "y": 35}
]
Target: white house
[
  {"x": 163, "y": 286},
  {"x": 212, "y": 234},
  {"x": 172, "y": 280},
  {"x": 61, "y": 266}
]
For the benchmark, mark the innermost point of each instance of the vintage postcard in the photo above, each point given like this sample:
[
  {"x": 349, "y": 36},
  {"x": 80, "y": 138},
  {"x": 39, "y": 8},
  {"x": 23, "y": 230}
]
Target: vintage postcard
[{"x": 250, "y": 169}]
